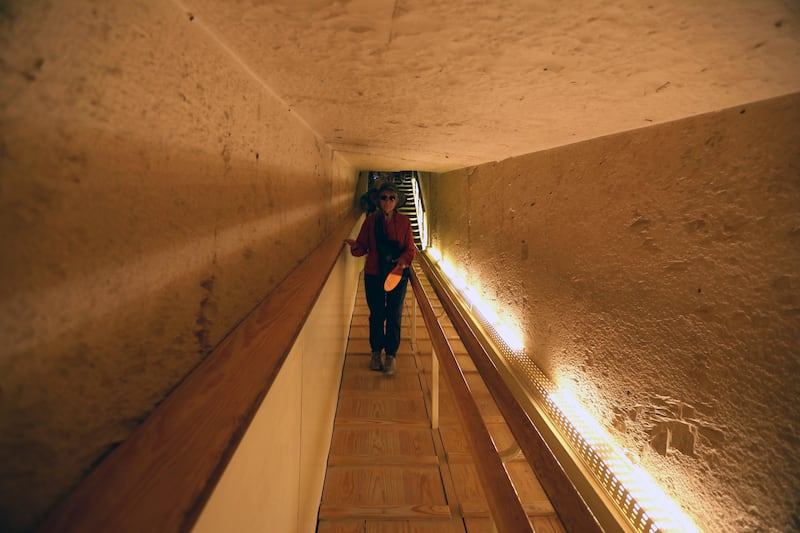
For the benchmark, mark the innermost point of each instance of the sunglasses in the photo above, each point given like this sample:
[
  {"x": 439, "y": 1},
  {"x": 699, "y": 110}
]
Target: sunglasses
[{"x": 384, "y": 197}]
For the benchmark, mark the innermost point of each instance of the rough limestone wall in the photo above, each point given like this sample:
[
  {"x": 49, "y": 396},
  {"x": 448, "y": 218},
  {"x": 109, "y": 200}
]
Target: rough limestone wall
[
  {"x": 655, "y": 274},
  {"x": 152, "y": 192}
]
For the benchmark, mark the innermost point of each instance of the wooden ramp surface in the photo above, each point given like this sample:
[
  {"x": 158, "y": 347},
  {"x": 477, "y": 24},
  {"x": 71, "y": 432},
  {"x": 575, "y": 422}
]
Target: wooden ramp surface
[{"x": 388, "y": 471}]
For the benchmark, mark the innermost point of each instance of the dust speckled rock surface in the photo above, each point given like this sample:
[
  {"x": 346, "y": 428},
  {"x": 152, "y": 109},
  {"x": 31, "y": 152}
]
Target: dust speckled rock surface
[
  {"x": 655, "y": 275},
  {"x": 152, "y": 194}
]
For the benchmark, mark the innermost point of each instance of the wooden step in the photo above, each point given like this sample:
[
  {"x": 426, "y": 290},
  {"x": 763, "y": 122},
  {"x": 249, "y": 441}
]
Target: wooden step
[
  {"x": 388, "y": 471},
  {"x": 329, "y": 511}
]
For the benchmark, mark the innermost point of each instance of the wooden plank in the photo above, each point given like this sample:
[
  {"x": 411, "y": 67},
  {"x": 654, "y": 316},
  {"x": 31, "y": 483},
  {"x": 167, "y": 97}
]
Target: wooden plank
[
  {"x": 383, "y": 512},
  {"x": 359, "y": 363},
  {"x": 469, "y": 490},
  {"x": 465, "y": 457},
  {"x": 360, "y": 332},
  {"x": 458, "y": 446},
  {"x": 383, "y": 485},
  {"x": 569, "y": 503},
  {"x": 342, "y": 526},
  {"x": 525, "y": 481},
  {"x": 354, "y": 406},
  {"x": 452, "y": 419},
  {"x": 394, "y": 440},
  {"x": 447, "y": 478},
  {"x": 464, "y": 362},
  {"x": 501, "y": 435},
  {"x": 378, "y": 462},
  {"x": 542, "y": 524},
  {"x": 453, "y": 525},
  {"x": 548, "y": 524},
  {"x": 161, "y": 476},
  {"x": 404, "y": 381},
  {"x": 377, "y": 392},
  {"x": 360, "y": 345},
  {"x": 506, "y": 508},
  {"x": 475, "y": 509},
  {"x": 459, "y": 457},
  {"x": 372, "y": 422}
]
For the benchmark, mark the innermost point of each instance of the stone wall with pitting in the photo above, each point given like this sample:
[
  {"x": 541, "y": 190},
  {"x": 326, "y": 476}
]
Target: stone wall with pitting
[
  {"x": 656, "y": 274},
  {"x": 152, "y": 193}
]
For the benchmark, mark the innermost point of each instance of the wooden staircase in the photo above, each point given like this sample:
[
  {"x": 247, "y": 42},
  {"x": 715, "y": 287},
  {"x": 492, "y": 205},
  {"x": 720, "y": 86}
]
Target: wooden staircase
[{"x": 389, "y": 470}]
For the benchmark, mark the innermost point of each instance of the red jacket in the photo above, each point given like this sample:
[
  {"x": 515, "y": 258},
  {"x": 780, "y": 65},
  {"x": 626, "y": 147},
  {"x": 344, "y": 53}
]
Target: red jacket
[{"x": 398, "y": 229}]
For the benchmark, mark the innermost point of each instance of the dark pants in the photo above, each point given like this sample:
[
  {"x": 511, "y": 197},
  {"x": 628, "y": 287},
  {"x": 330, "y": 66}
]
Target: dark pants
[{"x": 384, "y": 308}]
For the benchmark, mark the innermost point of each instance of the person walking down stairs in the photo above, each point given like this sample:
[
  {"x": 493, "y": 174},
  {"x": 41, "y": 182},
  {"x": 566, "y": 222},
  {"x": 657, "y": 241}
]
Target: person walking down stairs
[{"x": 387, "y": 241}]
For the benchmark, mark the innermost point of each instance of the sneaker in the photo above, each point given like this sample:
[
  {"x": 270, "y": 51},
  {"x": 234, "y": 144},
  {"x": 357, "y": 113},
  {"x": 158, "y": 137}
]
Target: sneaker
[
  {"x": 375, "y": 362},
  {"x": 390, "y": 367}
]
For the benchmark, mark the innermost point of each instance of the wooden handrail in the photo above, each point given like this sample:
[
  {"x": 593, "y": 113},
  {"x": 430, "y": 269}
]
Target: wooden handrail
[
  {"x": 506, "y": 509},
  {"x": 575, "y": 514},
  {"x": 160, "y": 478}
]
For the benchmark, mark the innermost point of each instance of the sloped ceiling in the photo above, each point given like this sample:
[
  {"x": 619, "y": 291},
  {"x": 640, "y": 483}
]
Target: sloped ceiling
[{"x": 439, "y": 85}]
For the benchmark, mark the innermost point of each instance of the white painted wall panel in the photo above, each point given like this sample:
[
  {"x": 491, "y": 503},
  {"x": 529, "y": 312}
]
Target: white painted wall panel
[
  {"x": 259, "y": 489},
  {"x": 274, "y": 479}
]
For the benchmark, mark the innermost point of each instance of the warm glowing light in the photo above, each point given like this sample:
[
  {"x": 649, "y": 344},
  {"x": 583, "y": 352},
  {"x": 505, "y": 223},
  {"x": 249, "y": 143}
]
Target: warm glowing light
[
  {"x": 485, "y": 310},
  {"x": 510, "y": 336},
  {"x": 508, "y": 332},
  {"x": 636, "y": 494},
  {"x": 644, "y": 495},
  {"x": 455, "y": 277},
  {"x": 473, "y": 297},
  {"x": 570, "y": 406},
  {"x": 447, "y": 268}
]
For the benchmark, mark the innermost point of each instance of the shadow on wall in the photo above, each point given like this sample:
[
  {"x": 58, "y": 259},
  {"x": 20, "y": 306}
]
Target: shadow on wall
[{"x": 121, "y": 285}]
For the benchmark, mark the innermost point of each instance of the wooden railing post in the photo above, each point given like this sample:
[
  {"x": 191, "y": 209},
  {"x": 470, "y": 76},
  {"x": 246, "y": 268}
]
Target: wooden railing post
[
  {"x": 506, "y": 508},
  {"x": 566, "y": 499},
  {"x": 434, "y": 390},
  {"x": 414, "y": 322}
]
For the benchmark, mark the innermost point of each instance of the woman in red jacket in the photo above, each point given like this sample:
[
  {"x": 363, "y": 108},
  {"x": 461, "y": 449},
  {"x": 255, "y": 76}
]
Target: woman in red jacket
[{"x": 387, "y": 241}]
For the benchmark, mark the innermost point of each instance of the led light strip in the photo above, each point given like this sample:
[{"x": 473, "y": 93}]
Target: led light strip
[
  {"x": 637, "y": 497},
  {"x": 421, "y": 218}
]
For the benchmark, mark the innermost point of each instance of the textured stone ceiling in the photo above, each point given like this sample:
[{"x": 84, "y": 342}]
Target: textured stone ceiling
[{"x": 439, "y": 85}]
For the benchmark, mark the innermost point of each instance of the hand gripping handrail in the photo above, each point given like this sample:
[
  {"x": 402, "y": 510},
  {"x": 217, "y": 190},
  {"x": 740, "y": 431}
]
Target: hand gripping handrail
[
  {"x": 506, "y": 509},
  {"x": 573, "y": 511}
]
